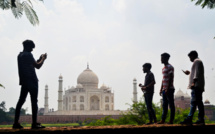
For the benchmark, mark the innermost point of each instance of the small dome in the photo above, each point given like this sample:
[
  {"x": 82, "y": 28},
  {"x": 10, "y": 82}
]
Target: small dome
[
  {"x": 79, "y": 86},
  {"x": 103, "y": 87},
  {"x": 207, "y": 101},
  {"x": 186, "y": 95},
  {"x": 179, "y": 93},
  {"x": 60, "y": 77}
]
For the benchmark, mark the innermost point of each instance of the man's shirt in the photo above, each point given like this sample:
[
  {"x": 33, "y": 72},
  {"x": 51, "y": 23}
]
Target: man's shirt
[
  {"x": 149, "y": 78},
  {"x": 197, "y": 72},
  {"x": 26, "y": 68},
  {"x": 167, "y": 71}
]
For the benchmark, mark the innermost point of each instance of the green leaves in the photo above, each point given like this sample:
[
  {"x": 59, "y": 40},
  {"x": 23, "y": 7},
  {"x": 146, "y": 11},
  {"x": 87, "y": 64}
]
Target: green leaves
[
  {"x": 18, "y": 7},
  {"x": 2, "y": 106},
  {"x": 4, "y": 4},
  {"x": 2, "y": 86},
  {"x": 17, "y": 11},
  {"x": 30, "y": 13},
  {"x": 209, "y": 3}
]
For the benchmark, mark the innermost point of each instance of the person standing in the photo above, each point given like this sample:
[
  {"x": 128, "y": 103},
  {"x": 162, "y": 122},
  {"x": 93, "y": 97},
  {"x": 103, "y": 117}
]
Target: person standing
[
  {"x": 29, "y": 82},
  {"x": 167, "y": 89},
  {"x": 196, "y": 84},
  {"x": 148, "y": 90}
]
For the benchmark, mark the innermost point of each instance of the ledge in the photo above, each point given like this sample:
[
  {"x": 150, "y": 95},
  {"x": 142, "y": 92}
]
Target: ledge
[{"x": 152, "y": 129}]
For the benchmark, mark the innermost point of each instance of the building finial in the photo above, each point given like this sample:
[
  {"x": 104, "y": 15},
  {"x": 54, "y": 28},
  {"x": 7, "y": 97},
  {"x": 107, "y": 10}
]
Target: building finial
[{"x": 87, "y": 65}]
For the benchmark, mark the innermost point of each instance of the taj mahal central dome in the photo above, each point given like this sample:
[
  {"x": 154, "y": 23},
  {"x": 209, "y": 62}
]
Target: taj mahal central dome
[{"x": 88, "y": 79}]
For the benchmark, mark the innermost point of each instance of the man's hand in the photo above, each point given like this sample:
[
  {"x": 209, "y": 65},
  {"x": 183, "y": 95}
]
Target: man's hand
[
  {"x": 166, "y": 91},
  {"x": 39, "y": 62},
  {"x": 44, "y": 56},
  {"x": 140, "y": 85},
  {"x": 41, "y": 57},
  {"x": 160, "y": 93},
  {"x": 193, "y": 84},
  {"x": 144, "y": 88},
  {"x": 186, "y": 72}
]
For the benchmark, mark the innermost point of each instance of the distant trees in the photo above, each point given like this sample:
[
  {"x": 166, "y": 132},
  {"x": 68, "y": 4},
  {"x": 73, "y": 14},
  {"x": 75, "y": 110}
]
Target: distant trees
[
  {"x": 4, "y": 117},
  {"x": 205, "y": 3},
  {"x": 12, "y": 111},
  {"x": 7, "y": 117},
  {"x": 18, "y": 7}
]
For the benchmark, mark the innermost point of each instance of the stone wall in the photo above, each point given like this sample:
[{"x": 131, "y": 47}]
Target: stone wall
[{"x": 64, "y": 118}]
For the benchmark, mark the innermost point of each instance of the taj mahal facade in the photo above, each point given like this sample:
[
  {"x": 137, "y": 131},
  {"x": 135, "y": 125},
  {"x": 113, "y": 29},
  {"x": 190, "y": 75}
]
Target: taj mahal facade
[{"x": 86, "y": 98}]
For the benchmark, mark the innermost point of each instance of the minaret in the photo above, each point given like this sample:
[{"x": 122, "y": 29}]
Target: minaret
[
  {"x": 46, "y": 105},
  {"x": 135, "y": 90},
  {"x": 60, "y": 94}
]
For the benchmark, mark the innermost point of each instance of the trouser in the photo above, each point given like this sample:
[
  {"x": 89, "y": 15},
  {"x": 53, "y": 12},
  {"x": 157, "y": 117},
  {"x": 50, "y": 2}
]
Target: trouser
[
  {"x": 168, "y": 99},
  {"x": 32, "y": 88},
  {"x": 196, "y": 101},
  {"x": 148, "y": 99}
]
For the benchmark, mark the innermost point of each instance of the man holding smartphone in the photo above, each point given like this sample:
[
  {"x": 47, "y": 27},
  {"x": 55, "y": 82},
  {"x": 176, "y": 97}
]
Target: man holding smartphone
[
  {"x": 29, "y": 82},
  {"x": 196, "y": 84}
]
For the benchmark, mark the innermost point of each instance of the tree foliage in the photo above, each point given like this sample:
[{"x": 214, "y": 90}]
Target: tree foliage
[
  {"x": 205, "y": 3},
  {"x": 4, "y": 117},
  {"x": 2, "y": 86},
  {"x": 12, "y": 111},
  {"x": 2, "y": 106},
  {"x": 18, "y": 7},
  {"x": 7, "y": 117},
  {"x": 138, "y": 115}
]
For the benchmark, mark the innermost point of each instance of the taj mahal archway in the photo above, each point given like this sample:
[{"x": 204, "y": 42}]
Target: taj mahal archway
[{"x": 94, "y": 103}]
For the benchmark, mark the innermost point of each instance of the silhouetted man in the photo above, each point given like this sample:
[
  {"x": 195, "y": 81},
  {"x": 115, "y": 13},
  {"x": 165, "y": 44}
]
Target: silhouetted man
[
  {"x": 196, "y": 84},
  {"x": 28, "y": 81},
  {"x": 167, "y": 89},
  {"x": 148, "y": 90}
]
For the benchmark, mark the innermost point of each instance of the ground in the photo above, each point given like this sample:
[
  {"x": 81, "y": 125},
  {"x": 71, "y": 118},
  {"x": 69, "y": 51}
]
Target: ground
[{"x": 152, "y": 129}]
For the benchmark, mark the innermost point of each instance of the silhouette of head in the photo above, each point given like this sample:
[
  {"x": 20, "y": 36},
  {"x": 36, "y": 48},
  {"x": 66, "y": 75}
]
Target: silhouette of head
[
  {"x": 165, "y": 58},
  {"x": 28, "y": 45},
  {"x": 193, "y": 55},
  {"x": 147, "y": 67}
]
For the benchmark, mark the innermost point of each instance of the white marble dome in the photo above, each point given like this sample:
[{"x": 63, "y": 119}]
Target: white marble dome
[
  {"x": 103, "y": 87},
  {"x": 88, "y": 77},
  {"x": 79, "y": 86},
  {"x": 180, "y": 94}
]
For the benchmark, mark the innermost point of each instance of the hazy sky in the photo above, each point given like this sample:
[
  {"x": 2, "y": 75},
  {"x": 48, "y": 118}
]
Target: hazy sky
[{"x": 116, "y": 37}]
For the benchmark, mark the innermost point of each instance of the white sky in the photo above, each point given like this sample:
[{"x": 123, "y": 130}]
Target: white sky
[{"x": 116, "y": 37}]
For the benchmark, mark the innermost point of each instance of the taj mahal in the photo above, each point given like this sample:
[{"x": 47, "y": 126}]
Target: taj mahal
[{"x": 86, "y": 98}]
